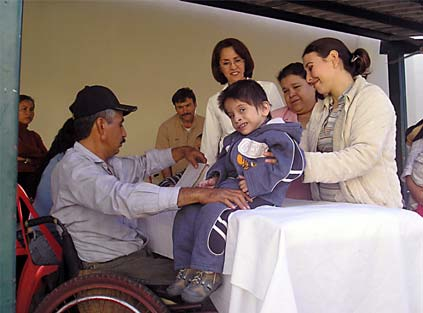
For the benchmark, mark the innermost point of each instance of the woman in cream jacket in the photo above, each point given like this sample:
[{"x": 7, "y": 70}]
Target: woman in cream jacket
[{"x": 350, "y": 137}]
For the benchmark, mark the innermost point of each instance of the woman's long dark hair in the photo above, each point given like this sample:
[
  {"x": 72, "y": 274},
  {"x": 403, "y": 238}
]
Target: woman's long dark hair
[
  {"x": 64, "y": 140},
  {"x": 241, "y": 49},
  {"x": 355, "y": 63}
]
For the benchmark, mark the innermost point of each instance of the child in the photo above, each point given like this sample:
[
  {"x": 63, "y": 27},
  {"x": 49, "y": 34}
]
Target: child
[
  {"x": 199, "y": 232},
  {"x": 417, "y": 177},
  {"x": 414, "y": 164}
]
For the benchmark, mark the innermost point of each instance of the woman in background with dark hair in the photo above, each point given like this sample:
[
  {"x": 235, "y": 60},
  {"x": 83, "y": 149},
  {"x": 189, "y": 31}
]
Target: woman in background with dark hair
[
  {"x": 231, "y": 62},
  {"x": 350, "y": 137},
  {"x": 31, "y": 149},
  {"x": 300, "y": 98},
  {"x": 64, "y": 140}
]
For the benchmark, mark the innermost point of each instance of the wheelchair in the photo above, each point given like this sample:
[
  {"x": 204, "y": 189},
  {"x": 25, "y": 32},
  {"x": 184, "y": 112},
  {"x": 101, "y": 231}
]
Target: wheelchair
[{"x": 52, "y": 284}]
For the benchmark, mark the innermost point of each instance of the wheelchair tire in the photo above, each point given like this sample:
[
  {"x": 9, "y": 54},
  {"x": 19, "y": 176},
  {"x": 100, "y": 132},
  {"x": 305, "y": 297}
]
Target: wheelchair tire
[{"x": 101, "y": 292}]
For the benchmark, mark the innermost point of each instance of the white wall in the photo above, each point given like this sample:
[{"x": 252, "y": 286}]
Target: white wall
[
  {"x": 145, "y": 51},
  {"x": 414, "y": 82}
]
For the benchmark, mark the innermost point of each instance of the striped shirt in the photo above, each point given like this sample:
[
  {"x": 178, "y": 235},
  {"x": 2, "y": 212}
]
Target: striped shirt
[{"x": 330, "y": 191}]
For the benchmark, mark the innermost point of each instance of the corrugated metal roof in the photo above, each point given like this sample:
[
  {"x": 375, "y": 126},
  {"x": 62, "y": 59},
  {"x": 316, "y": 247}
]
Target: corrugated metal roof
[{"x": 385, "y": 20}]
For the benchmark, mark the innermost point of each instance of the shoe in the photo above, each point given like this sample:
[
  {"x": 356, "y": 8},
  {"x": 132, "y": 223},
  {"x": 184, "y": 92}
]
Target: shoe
[
  {"x": 183, "y": 278},
  {"x": 201, "y": 286}
]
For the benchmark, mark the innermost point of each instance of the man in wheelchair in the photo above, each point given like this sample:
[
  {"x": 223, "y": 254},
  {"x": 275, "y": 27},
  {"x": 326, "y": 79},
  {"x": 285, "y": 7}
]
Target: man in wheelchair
[{"x": 99, "y": 196}]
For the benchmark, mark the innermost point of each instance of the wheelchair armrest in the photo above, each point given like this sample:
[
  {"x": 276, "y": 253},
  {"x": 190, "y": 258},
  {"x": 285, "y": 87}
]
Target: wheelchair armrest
[{"x": 41, "y": 220}]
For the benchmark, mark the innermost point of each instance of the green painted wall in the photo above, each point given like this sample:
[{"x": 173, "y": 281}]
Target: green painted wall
[{"x": 10, "y": 43}]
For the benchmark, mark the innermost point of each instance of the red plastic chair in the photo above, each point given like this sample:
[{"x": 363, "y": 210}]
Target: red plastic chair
[{"x": 32, "y": 274}]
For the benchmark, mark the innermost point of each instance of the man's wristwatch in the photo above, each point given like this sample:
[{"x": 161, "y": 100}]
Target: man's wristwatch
[{"x": 27, "y": 160}]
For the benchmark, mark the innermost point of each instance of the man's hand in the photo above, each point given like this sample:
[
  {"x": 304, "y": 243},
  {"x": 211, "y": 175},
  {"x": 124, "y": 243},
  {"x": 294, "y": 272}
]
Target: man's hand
[
  {"x": 192, "y": 155},
  {"x": 167, "y": 172},
  {"x": 230, "y": 197}
]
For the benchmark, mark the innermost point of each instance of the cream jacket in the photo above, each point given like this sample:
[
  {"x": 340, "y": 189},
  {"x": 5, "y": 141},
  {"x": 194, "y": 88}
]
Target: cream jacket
[{"x": 363, "y": 161}]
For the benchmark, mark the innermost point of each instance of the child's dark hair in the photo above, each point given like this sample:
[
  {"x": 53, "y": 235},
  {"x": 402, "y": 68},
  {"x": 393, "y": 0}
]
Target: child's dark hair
[
  {"x": 356, "y": 63},
  {"x": 246, "y": 90}
]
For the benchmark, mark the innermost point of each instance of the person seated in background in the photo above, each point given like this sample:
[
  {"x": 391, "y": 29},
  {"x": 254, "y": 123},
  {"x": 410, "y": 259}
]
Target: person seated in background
[
  {"x": 100, "y": 196},
  {"x": 300, "y": 98},
  {"x": 64, "y": 140},
  {"x": 413, "y": 169},
  {"x": 31, "y": 152},
  {"x": 199, "y": 232},
  {"x": 31, "y": 149},
  {"x": 182, "y": 129}
]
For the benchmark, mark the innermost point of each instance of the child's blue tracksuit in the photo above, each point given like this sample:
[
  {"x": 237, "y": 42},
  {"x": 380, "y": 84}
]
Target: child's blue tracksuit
[{"x": 199, "y": 231}]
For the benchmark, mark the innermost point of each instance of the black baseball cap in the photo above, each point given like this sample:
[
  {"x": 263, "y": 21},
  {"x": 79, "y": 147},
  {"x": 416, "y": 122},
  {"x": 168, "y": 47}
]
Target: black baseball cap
[{"x": 93, "y": 99}]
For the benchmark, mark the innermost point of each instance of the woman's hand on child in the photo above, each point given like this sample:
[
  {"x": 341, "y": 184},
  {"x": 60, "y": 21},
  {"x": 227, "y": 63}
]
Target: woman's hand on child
[
  {"x": 243, "y": 184},
  {"x": 208, "y": 183},
  {"x": 270, "y": 158}
]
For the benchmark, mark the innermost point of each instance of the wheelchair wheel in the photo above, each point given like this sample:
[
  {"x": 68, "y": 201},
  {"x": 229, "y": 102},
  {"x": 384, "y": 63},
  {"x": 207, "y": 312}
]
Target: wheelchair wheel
[{"x": 101, "y": 292}]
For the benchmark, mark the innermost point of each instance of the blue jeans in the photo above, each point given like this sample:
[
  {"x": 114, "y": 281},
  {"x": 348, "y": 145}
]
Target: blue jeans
[
  {"x": 199, "y": 233},
  {"x": 191, "y": 231}
]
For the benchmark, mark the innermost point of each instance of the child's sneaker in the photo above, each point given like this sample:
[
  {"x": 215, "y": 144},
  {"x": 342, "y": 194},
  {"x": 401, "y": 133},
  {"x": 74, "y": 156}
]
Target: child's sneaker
[
  {"x": 182, "y": 280},
  {"x": 201, "y": 286}
]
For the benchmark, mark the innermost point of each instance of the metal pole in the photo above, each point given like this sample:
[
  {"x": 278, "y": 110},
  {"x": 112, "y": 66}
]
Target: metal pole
[
  {"x": 397, "y": 93},
  {"x": 10, "y": 46}
]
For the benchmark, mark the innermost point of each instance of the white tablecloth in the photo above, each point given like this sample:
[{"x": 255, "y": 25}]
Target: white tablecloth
[{"x": 316, "y": 257}]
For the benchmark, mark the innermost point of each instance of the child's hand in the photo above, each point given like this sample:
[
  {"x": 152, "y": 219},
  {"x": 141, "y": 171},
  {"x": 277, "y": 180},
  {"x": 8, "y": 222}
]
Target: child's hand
[
  {"x": 208, "y": 183},
  {"x": 415, "y": 190},
  {"x": 243, "y": 184}
]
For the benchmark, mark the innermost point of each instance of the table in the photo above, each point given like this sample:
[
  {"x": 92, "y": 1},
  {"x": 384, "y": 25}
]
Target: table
[{"x": 312, "y": 257}]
